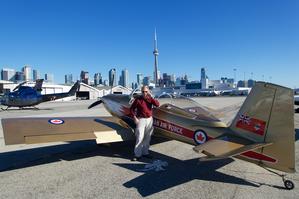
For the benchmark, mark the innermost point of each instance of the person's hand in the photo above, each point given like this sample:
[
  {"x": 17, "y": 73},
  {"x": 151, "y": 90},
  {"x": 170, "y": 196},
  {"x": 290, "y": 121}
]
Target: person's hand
[
  {"x": 136, "y": 120},
  {"x": 150, "y": 95}
]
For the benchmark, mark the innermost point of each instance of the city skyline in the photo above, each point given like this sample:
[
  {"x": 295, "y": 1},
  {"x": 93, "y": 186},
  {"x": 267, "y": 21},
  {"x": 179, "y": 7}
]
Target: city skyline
[{"x": 257, "y": 38}]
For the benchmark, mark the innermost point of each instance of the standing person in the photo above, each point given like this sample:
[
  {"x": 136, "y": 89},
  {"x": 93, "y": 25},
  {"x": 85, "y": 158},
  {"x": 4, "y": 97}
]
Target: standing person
[{"x": 141, "y": 110}]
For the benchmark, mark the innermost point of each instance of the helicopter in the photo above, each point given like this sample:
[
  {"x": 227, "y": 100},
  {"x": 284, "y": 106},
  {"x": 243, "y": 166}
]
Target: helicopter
[{"x": 26, "y": 96}]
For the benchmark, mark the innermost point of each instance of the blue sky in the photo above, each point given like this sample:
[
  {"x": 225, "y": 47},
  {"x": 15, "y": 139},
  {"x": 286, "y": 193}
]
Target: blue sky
[{"x": 61, "y": 37}]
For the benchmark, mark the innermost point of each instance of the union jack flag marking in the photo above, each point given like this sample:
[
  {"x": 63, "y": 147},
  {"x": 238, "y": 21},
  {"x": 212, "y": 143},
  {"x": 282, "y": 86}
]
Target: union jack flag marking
[{"x": 253, "y": 125}]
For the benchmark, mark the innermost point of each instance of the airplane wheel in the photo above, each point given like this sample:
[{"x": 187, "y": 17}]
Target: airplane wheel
[{"x": 289, "y": 184}]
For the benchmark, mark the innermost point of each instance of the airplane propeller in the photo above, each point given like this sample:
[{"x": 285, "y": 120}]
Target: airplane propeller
[{"x": 95, "y": 104}]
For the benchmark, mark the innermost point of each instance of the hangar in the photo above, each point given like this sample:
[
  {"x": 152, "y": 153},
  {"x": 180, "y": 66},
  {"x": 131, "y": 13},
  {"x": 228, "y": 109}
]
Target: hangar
[{"x": 85, "y": 92}]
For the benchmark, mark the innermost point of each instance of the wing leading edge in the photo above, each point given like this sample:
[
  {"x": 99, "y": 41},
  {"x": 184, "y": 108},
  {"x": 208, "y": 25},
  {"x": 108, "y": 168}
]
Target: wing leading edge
[{"x": 40, "y": 130}]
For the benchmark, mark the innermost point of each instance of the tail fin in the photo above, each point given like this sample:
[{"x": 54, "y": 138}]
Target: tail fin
[
  {"x": 74, "y": 88},
  {"x": 38, "y": 85},
  {"x": 267, "y": 116}
]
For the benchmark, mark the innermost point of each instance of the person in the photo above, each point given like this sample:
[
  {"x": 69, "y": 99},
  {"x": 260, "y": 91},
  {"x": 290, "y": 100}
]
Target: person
[{"x": 141, "y": 110}]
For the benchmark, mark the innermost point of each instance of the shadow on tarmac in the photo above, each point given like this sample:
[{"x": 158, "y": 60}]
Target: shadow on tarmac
[
  {"x": 151, "y": 182},
  {"x": 179, "y": 172},
  {"x": 26, "y": 109}
]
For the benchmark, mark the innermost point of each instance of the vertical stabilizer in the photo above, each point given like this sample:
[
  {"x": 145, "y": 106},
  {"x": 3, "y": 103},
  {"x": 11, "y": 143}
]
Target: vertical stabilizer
[
  {"x": 38, "y": 85},
  {"x": 267, "y": 116}
]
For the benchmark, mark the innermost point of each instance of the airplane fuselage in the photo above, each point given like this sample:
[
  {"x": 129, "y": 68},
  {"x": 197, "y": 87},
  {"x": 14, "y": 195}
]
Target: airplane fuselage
[
  {"x": 168, "y": 125},
  {"x": 23, "y": 98},
  {"x": 176, "y": 123}
]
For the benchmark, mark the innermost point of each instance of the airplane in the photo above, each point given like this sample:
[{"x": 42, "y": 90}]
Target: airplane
[
  {"x": 26, "y": 96},
  {"x": 258, "y": 134}
]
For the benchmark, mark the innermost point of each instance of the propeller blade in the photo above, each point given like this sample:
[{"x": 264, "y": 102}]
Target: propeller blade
[{"x": 95, "y": 104}]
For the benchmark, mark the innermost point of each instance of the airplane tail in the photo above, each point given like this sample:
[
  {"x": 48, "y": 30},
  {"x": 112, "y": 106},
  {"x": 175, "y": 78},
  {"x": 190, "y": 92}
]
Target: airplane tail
[
  {"x": 267, "y": 116},
  {"x": 74, "y": 89},
  {"x": 38, "y": 85}
]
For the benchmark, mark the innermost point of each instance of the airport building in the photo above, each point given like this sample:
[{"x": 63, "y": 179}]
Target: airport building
[{"x": 85, "y": 92}]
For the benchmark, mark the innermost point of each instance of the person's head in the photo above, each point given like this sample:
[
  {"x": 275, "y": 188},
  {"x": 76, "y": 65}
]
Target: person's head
[{"x": 145, "y": 90}]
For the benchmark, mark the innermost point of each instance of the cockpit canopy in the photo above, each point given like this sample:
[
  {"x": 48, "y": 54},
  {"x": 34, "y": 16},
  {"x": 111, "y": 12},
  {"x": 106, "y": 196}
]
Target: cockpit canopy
[
  {"x": 182, "y": 105},
  {"x": 22, "y": 92},
  {"x": 186, "y": 106}
]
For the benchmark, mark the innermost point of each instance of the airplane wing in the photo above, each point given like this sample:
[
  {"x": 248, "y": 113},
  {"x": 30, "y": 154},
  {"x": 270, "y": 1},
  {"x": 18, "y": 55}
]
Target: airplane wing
[
  {"x": 40, "y": 130},
  {"x": 226, "y": 146}
]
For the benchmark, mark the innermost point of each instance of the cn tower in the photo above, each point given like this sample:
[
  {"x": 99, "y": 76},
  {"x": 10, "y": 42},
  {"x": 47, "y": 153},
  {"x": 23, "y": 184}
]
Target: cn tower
[{"x": 156, "y": 53}]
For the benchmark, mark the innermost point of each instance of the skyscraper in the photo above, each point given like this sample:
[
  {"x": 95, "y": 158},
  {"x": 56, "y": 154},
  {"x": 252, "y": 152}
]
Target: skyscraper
[
  {"x": 36, "y": 75},
  {"x": 203, "y": 79},
  {"x": 68, "y": 79},
  {"x": 27, "y": 73},
  {"x": 156, "y": 53},
  {"x": 20, "y": 76},
  {"x": 139, "y": 79},
  {"x": 112, "y": 77},
  {"x": 97, "y": 79},
  {"x": 124, "y": 78},
  {"x": 49, "y": 78},
  {"x": 8, "y": 74},
  {"x": 84, "y": 77}
]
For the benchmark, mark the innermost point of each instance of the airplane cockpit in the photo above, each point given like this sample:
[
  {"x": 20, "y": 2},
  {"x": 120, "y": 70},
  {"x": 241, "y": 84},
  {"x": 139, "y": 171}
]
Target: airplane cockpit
[
  {"x": 181, "y": 105},
  {"x": 184, "y": 106}
]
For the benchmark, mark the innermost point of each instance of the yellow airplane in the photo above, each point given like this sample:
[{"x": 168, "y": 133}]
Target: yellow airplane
[{"x": 261, "y": 133}]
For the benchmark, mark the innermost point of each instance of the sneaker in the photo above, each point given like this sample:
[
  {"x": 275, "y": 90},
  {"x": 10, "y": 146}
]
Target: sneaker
[
  {"x": 148, "y": 156},
  {"x": 135, "y": 158}
]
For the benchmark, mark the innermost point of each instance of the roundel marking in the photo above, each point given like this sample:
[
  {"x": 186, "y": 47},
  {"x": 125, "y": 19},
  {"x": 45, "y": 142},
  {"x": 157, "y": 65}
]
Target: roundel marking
[
  {"x": 200, "y": 137},
  {"x": 56, "y": 121}
]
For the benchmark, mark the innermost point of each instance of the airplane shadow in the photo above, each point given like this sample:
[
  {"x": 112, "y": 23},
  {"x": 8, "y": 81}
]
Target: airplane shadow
[
  {"x": 150, "y": 182},
  {"x": 70, "y": 151},
  {"x": 27, "y": 109},
  {"x": 179, "y": 172}
]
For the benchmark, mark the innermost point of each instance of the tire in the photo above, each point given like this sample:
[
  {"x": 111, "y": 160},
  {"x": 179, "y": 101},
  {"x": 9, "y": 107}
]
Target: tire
[{"x": 289, "y": 185}]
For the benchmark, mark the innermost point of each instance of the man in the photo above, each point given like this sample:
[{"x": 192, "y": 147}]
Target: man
[{"x": 141, "y": 110}]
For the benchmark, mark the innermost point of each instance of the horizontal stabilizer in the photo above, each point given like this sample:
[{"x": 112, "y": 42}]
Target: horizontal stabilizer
[{"x": 226, "y": 146}]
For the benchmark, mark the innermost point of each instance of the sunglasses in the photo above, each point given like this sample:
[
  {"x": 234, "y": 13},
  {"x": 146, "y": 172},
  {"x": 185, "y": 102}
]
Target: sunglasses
[{"x": 144, "y": 91}]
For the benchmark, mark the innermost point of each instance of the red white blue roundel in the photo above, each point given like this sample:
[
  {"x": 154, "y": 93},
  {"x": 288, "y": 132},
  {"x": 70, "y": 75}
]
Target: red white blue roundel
[
  {"x": 56, "y": 121},
  {"x": 200, "y": 137}
]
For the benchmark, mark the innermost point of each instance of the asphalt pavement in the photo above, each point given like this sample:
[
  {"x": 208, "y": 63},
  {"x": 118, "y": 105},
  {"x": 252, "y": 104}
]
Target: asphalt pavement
[{"x": 86, "y": 170}]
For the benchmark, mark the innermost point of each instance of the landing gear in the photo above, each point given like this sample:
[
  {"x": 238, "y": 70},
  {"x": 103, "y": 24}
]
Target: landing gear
[{"x": 288, "y": 184}]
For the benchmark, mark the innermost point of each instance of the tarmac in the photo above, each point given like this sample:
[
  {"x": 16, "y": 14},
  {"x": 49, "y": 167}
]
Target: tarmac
[{"x": 84, "y": 169}]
